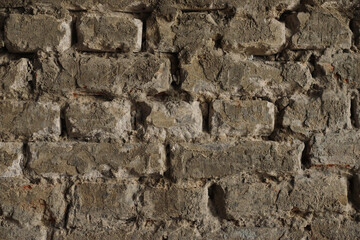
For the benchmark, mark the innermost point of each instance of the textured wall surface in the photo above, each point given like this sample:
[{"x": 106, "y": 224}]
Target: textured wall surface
[{"x": 179, "y": 119}]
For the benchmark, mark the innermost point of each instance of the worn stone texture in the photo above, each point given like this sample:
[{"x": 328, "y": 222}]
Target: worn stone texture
[
  {"x": 320, "y": 28},
  {"x": 341, "y": 148},
  {"x": 176, "y": 119},
  {"x": 212, "y": 160},
  {"x": 94, "y": 159},
  {"x": 179, "y": 119},
  {"x": 21, "y": 33},
  {"x": 99, "y": 120},
  {"x": 213, "y": 73},
  {"x": 141, "y": 73},
  {"x": 100, "y": 205},
  {"x": 15, "y": 78},
  {"x": 33, "y": 120},
  {"x": 242, "y": 118},
  {"x": 116, "y": 32}
]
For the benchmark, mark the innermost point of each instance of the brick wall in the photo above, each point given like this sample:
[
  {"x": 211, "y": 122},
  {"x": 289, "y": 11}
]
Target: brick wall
[{"x": 179, "y": 119}]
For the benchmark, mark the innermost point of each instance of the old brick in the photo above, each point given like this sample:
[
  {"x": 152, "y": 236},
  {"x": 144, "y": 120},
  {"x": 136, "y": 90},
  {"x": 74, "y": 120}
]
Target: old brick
[
  {"x": 234, "y": 232},
  {"x": 335, "y": 227},
  {"x": 129, "y": 75},
  {"x": 341, "y": 148},
  {"x": 317, "y": 192},
  {"x": 100, "y": 205},
  {"x": 242, "y": 118},
  {"x": 32, "y": 204},
  {"x": 254, "y": 36},
  {"x": 344, "y": 67},
  {"x": 248, "y": 199},
  {"x": 11, "y": 159},
  {"x": 175, "y": 31},
  {"x": 75, "y": 158},
  {"x": 355, "y": 27},
  {"x": 314, "y": 114},
  {"x": 15, "y": 78},
  {"x": 29, "y": 120},
  {"x": 177, "y": 119},
  {"x": 211, "y": 160},
  {"x": 175, "y": 202},
  {"x": 25, "y": 33},
  {"x": 212, "y": 73},
  {"x": 319, "y": 29},
  {"x": 100, "y": 120},
  {"x": 11, "y": 3},
  {"x": 13, "y": 231},
  {"x": 110, "y": 32},
  {"x": 57, "y": 74}
]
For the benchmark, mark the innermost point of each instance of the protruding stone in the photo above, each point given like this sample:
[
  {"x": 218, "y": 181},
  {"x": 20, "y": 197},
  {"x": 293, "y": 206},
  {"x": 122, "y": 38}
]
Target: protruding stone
[
  {"x": 25, "y": 33},
  {"x": 110, "y": 32},
  {"x": 11, "y": 159}
]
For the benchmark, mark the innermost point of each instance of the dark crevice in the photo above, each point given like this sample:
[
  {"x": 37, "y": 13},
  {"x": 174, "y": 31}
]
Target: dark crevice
[
  {"x": 354, "y": 112},
  {"x": 168, "y": 173},
  {"x": 305, "y": 156},
  {"x": 354, "y": 191},
  {"x": 217, "y": 201},
  {"x": 27, "y": 154},
  {"x": 205, "y": 110},
  {"x": 63, "y": 128}
]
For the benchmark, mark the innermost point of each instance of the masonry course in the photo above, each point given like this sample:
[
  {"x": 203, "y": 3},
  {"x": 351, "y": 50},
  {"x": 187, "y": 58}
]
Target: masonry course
[{"x": 179, "y": 119}]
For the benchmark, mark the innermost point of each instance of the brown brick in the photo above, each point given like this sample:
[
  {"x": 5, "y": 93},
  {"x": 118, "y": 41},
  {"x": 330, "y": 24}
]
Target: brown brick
[
  {"x": 212, "y": 160},
  {"x": 29, "y": 120},
  {"x": 242, "y": 118},
  {"x": 81, "y": 159},
  {"x": 130, "y": 75},
  {"x": 109, "y": 32},
  {"x": 11, "y": 159},
  {"x": 25, "y": 33},
  {"x": 99, "y": 120}
]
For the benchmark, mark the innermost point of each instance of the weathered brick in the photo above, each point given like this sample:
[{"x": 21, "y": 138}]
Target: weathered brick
[
  {"x": 176, "y": 31},
  {"x": 344, "y": 67},
  {"x": 32, "y": 204},
  {"x": 57, "y": 74},
  {"x": 142, "y": 73},
  {"x": 234, "y": 232},
  {"x": 11, "y": 3},
  {"x": 248, "y": 199},
  {"x": 242, "y": 118},
  {"x": 355, "y": 27},
  {"x": 2, "y": 23},
  {"x": 254, "y": 36},
  {"x": 15, "y": 78},
  {"x": 335, "y": 227},
  {"x": 212, "y": 160},
  {"x": 99, "y": 120},
  {"x": 11, "y": 159},
  {"x": 29, "y": 120},
  {"x": 14, "y": 231},
  {"x": 175, "y": 202},
  {"x": 314, "y": 114},
  {"x": 75, "y": 158},
  {"x": 317, "y": 192},
  {"x": 98, "y": 205},
  {"x": 341, "y": 148},
  {"x": 212, "y": 73},
  {"x": 119, "y": 5},
  {"x": 177, "y": 119},
  {"x": 319, "y": 29},
  {"x": 25, "y": 33},
  {"x": 109, "y": 32}
]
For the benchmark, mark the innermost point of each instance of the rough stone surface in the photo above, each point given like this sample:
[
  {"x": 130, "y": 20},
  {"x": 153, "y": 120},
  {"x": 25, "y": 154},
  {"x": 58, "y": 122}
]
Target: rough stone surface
[
  {"x": 179, "y": 119},
  {"x": 341, "y": 148},
  {"x": 11, "y": 159},
  {"x": 209, "y": 160},
  {"x": 99, "y": 120},
  {"x": 15, "y": 78},
  {"x": 21, "y": 33},
  {"x": 117, "y": 32},
  {"x": 145, "y": 73},
  {"x": 242, "y": 118},
  {"x": 94, "y": 159},
  {"x": 29, "y": 120},
  {"x": 319, "y": 29}
]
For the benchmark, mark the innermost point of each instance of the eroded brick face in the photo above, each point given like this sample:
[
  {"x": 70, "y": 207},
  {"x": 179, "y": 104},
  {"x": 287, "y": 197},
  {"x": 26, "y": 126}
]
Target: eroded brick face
[{"x": 179, "y": 119}]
